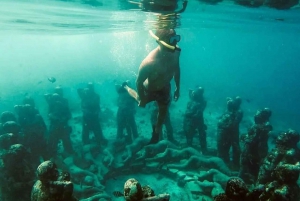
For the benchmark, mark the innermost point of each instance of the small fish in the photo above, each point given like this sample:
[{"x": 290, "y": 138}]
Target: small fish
[
  {"x": 279, "y": 19},
  {"x": 51, "y": 79},
  {"x": 248, "y": 100},
  {"x": 118, "y": 194},
  {"x": 39, "y": 82}
]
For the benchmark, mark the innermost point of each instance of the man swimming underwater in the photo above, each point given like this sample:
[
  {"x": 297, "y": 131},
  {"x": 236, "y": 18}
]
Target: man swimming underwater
[{"x": 156, "y": 71}]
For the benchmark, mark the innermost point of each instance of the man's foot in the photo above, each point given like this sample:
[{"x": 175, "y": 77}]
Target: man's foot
[{"x": 154, "y": 138}]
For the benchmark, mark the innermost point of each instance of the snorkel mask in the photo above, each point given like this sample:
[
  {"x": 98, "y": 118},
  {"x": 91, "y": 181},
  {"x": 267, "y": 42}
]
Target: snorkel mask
[
  {"x": 172, "y": 39},
  {"x": 175, "y": 38}
]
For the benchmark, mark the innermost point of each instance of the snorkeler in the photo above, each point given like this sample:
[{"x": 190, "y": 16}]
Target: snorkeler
[
  {"x": 162, "y": 6},
  {"x": 154, "y": 76}
]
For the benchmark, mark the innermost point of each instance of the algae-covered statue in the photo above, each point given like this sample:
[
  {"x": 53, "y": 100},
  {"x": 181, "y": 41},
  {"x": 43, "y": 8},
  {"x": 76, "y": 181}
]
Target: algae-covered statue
[
  {"x": 255, "y": 146},
  {"x": 228, "y": 132},
  {"x": 51, "y": 186},
  {"x": 134, "y": 191}
]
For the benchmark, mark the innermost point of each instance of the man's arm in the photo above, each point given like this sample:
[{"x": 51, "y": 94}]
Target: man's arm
[
  {"x": 184, "y": 4},
  {"x": 177, "y": 81},
  {"x": 142, "y": 76}
]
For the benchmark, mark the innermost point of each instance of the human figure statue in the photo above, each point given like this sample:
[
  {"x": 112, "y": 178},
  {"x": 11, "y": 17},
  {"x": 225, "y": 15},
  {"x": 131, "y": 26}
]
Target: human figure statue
[
  {"x": 126, "y": 115},
  {"x": 7, "y": 116},
  {"x": 286, "y": 151},
  {"x": 59, "y": 114},
  {"x": 228, "y": 132},
  {"x": 33, "y": 128},
  {"x": 51, "y": 184},
  {"x": 255, "y": 147},
  {"x": 90, "y": 105},
  {"x": 193, "y": 118},
  {"x": 16, "y": 172}
]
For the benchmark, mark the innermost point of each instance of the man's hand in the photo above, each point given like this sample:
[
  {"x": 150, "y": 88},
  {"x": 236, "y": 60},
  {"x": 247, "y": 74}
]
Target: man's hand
[
  {"x": 184, "y": 3},
  {"x": 142, "y": 102},
  {"x": 176, "y": 95}
]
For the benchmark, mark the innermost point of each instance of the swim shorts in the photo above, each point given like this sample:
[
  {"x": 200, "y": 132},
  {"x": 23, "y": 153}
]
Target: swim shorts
[{"x": 162, "y": 96}]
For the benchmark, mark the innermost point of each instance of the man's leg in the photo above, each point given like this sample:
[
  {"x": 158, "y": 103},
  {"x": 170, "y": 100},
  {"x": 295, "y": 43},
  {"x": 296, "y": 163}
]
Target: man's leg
[
  {"x": 169, "y": 127},
  {"x": 162, "y": 112}
]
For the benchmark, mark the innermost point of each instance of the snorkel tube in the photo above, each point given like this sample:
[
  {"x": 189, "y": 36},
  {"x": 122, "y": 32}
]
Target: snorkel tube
[{"x": 163, "y": 42}]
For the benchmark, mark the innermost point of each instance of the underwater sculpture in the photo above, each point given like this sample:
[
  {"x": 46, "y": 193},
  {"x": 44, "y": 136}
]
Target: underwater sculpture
[
  {"x": 87, "y": 167},
  {"x": 236, "y": 190},
  {"x": 33, "y": 129},
  {"x": 126, "y": 116},
  {"x": 228, "y": 132},
  {"x": 16, "y": 172},
  {"x": 50, "y": 186},
  {"x": 7, "y": 139},
  {"x": 9, "y": 130},
  {"x": 133, "y": 191},
  {"x": 255, "y": 146},
  {"x": 284, "y": 152},
  {"x": 284, "y": 186},
  {"x": 278, "y": 175},
  {"x": 201, "y": 176},
  {"x": 5, "y": 117},
  {"x": 90, "y": 106},
  {"x": 151, "y": 150},
  {"x": 193, "y": 118},
  {"x": 174, "y": 155},
  {"x": 188, "y": 158},
  {"x": 59, "y": 115},
  {"x": 202, "y": 162},
  {"x": 134, "y": 147}
]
